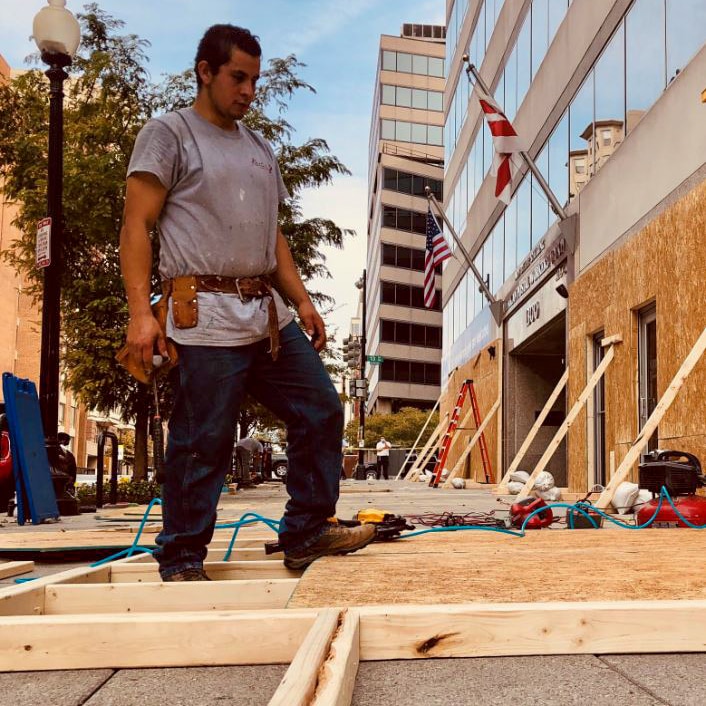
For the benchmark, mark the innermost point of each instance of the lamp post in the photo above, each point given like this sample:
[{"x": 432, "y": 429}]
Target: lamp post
[
  {"x": 57, "y": 35},
  {"x": 362, "y": 285}
]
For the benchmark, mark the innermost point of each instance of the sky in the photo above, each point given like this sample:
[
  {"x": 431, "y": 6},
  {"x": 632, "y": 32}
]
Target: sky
[{"x": 338, "y": 40}]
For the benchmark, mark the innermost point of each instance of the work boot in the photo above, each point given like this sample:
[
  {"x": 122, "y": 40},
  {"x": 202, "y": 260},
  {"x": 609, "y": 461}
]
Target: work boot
[
  {"x": 335, "y": 539},
  {"x": 188, "y": 575}
]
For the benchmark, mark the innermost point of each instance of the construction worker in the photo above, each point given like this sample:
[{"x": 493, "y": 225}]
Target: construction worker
[
  {"x": 212, "y": 188},
  {"x": 382, "y": 449}
]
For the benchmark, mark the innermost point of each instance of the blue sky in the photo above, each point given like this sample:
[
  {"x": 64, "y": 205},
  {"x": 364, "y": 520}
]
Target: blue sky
[{"x": 337, "y": 39}]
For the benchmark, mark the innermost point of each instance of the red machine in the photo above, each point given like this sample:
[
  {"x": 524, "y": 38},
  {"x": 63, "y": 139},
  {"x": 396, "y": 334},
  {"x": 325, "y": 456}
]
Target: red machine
[
  {"x": 520, "y": 510},
  {"x": 680, "y": 473}
]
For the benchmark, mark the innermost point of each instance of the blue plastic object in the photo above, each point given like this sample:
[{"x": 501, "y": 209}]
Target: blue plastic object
[{"x": 29, "y": 454}]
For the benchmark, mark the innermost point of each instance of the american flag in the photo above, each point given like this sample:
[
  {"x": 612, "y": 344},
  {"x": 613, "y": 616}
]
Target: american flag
[
  {"x": 505, "y": 141},
  {"x": 436, "y": 252}
]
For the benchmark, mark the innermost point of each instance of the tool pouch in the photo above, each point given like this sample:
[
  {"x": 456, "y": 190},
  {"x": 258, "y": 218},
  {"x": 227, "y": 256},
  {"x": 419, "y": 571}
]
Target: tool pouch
[
  {"x": 185, "y": 307},
  {"x": 160, "y": 311}
]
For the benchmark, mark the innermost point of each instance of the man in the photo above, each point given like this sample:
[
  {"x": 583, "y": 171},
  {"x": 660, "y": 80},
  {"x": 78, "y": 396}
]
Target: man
[
  {"x": 212, "y": 188},
  {"x": 248, "y": 452},
  {"x": 383, "y": 453}
]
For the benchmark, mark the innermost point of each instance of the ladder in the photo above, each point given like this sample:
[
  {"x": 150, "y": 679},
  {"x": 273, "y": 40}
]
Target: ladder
[{"x": 466, "y": 388}]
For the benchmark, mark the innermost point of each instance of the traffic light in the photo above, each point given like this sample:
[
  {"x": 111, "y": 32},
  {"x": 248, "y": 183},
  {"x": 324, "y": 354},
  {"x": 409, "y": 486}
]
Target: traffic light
[
  {"x": 353, "y": 353},
  {"x": 345, "y": 344},
  {"x": 358, "y": 388}
]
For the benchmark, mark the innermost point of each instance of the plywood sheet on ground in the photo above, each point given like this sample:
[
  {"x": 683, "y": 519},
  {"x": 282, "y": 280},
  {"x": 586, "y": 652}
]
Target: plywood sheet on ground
[{"x": 558, "y": 565}]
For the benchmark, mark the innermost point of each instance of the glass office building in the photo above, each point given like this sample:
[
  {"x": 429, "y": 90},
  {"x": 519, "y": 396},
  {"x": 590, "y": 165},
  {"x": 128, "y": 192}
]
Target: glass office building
[
  {"x": 606, "y": 96},
  {"x": 405, "y": 156}
]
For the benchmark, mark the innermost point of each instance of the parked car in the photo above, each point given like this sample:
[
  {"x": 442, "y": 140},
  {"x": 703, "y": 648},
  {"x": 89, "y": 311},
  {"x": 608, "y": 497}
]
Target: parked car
[{"x": 279, "y": 466}]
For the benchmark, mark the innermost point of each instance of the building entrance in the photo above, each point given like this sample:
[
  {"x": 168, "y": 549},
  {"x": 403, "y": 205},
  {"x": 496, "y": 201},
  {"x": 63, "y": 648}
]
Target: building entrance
[{"x": 533, "y": 369}]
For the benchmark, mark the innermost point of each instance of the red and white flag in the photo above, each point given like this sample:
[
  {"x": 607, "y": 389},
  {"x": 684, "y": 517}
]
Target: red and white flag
[{"x": 505, "y": 141}]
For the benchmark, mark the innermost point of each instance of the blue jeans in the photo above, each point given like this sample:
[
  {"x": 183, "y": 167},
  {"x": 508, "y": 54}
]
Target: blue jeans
[{"x": 211, "y": 384}]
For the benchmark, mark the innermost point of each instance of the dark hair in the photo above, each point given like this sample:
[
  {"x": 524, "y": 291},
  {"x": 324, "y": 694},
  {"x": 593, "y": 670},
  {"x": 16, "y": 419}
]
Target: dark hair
[{"x": 217, "y": 44}]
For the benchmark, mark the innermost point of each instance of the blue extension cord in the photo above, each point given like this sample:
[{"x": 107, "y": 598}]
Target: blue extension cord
[{"x": 582, "y": 508}]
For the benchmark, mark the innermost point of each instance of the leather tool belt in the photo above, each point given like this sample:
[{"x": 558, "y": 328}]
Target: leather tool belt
[{"x": 185, "y": 308}]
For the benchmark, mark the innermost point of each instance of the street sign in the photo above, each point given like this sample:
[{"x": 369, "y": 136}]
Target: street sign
[
  {"x": 43, "y": 245},
  {"x": 374, "y": 359}
]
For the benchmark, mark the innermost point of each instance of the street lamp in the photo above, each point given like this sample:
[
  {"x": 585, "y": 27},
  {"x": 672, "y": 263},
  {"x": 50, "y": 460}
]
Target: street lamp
[
  {"x": 362, "y": 285},
  {"x": 57, "y": 35}
]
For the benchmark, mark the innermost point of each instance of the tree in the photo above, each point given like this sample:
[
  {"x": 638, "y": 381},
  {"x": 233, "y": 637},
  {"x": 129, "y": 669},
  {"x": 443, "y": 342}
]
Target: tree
[
  {"x": 109, "y": 97},
  {"x": 400, "y": 429}
]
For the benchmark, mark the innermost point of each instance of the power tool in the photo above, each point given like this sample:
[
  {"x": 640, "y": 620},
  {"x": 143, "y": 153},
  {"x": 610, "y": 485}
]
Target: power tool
[
  {"x": 680, "y": 473},
  {"x": 522, "y": 509}
]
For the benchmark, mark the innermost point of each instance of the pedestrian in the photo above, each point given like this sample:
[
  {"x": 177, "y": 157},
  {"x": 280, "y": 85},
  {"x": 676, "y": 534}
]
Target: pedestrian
[
  {"x": 212, "y": 188},
  {"x": 248, "y": 452},
  {"x": 382, "y": 449}
]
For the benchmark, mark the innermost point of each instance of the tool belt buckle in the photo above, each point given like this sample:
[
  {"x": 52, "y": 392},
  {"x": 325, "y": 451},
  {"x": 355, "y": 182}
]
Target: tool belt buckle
[{"x": 238, "y": 290}]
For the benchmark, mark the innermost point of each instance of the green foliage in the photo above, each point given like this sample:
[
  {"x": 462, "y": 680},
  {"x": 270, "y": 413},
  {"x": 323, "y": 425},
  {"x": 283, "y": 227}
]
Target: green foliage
[
  {"x": 400, "y": 429},
  {"x": 108, "y": 98},
  {"x": 129, "y": 491}
]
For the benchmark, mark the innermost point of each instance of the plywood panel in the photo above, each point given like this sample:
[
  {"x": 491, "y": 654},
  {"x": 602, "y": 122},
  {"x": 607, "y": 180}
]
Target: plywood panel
[
  {"x": 580, "y": 565},
  {"x": 483, "y": 370},
  {"x": 664, "y": 262}
]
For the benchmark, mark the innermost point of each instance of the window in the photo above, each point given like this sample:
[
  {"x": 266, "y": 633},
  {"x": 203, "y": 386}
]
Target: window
[
  {"x": 389, "y": 61},
  {"x": 599, "y": 441},
  {"x": 406, "y": 295},
  {"x": 388, "y": 95},
  {"x": 419, "y": 133},
  {"x": 412, "y": 63},
  {"x": 647, "y": 369},
  {"x": 580, "y": 166},
  {"x": 410, "y": 371},
  {"x": 403, "y": 219},
  {"x": 410, "y": 334}
]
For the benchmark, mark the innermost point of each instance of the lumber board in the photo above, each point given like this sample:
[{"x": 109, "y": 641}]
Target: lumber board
[
  {"x": 28, "y": 598},
  {"x": 652, "y": 423},
  {"x": 298, "y": 685},
  {"x": 419, "y": 436},
  {"x": 8, "y": 569},
  {"x": 338, "y": 673},
  {"x": 458, "y": 567},
  {"x": 184, "y": 639},
  {"x": 487, "y": 630},
  {"x": 216, "y": 570},
  {"x": 566, "y": 424},
  {"x": 462, "y": 458},
  {"x": 515, "y": 464},
  {"x": 413, "y": 473},
  {"x": 246, "y": 594}
]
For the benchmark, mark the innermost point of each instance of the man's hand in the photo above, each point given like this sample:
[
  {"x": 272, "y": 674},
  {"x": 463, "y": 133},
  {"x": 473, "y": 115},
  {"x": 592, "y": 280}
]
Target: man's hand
[
  {"x": 142, "y": 334},
  {"x": 313, "y": 324}
]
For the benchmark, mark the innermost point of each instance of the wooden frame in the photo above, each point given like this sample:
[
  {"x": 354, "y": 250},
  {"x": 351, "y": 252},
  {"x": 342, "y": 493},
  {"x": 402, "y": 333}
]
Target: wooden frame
[
  {"x": 89, "y": 618},
  {"x": 652, "y": 423},
  {"x": 428, "y": 449},
  {"x": 570, "y": 418}
]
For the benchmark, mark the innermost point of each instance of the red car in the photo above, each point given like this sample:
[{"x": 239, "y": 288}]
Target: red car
[{"x": 7, "y": 481}]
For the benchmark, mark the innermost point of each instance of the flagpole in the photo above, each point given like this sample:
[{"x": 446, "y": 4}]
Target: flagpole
[
  {"x": 495, "y": 305},
  {"x": 553, "y": 201}
]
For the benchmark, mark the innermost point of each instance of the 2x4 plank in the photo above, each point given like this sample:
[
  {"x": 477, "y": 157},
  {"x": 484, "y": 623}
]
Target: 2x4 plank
[
  {"x": 8, "y": 569},
  {"x": 96, "y": 641},
  {"x": 166, "y": 597},
  {"x": 216, "y": 570}
]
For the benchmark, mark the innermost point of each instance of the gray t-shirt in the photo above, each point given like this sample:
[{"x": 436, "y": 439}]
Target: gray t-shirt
[{"x": 219, "y": 218}]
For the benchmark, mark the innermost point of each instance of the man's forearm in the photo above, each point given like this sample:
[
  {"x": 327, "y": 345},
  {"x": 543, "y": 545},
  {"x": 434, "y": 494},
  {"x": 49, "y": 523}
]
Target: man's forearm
[
  {"x": 286, "y": 277},
  {"x": 136, "y": 267}
]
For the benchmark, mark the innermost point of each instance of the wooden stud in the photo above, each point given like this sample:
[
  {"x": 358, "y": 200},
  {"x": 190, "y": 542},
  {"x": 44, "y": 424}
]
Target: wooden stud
[
  {"x": 652, "y": 423},
  {"x": 28, "y": 598},
  {"x": 165, "y": 597},
  {"x": 419, "y": 436},
  {"x": 298, "y": 685},
  {"x": 462, "y": 458},
  {"x": 9, "y": 569},
  {"x": 216, "y": 570},
  {"x": 505, "y": 629},
  {"x": 337, "y": 674},
  {"x": 611, "y": 340},
  {"x": 426, "y": 451},
  {"x": 117, "y": 641},
  {"x": 570, "y": 417},
  {"x": 502, "y": 485}
]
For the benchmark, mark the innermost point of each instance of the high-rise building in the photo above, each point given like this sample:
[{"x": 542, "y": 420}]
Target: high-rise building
[
  {"x": 405, "y": 156},
  {"x": 606, "y": 97}
]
